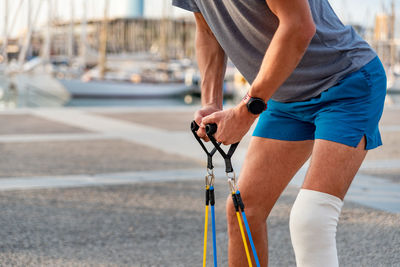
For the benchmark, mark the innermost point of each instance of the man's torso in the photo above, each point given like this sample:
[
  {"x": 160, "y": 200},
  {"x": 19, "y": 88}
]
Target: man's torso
[{"x": 245, "y": 28}]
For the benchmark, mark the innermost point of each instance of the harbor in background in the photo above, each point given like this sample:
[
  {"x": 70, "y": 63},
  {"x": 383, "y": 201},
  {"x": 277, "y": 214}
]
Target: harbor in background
[{"x": 96, "y": 61}]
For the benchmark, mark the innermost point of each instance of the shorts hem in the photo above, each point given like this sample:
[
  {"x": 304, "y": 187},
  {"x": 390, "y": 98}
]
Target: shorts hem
[
  {"x": 283, "y": 138},
  {"x": 369, "y": 141},
  {"x": 369, "y": 145}
]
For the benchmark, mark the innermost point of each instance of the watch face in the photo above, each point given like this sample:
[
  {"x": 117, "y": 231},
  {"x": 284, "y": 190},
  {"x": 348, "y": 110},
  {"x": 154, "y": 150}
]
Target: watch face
[{"x": 256, "y": 105}]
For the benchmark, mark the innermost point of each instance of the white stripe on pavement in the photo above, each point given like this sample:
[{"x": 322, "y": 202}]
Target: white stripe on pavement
[{"x": 366, "y": 190}]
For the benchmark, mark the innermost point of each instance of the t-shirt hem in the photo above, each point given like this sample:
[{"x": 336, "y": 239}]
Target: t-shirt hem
[
  {"x": 186, "y": 5},
  {"x": 357, "y": 65}
]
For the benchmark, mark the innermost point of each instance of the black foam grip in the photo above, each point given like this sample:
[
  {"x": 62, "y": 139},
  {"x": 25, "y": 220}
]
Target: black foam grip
[
  {"x": 211, "y": 129},
  {"x": 240, "y": 201},
  {"x": 207, "y": 196},
  {"x": 194, "y": 126},
  {"x": 212, "y": 197},
  {"x": 235, "y": 202}
]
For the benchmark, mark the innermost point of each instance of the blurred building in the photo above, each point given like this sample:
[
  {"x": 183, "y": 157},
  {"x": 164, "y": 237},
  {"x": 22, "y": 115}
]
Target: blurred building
[
  {"x": 135, "y": 8},
  {"x": 384, "y": 40},
  {"x": 166, "y": 36},
  {"x": 381, "y": 30},
  {"x": 130, "y": 31},
  {"x": 127, "y": 9}
]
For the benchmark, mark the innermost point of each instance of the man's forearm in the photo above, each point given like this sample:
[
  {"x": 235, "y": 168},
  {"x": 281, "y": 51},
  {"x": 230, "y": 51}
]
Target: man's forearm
[
  {"x": 211, "y": 60},
  {"x": 283, "y": 55}
]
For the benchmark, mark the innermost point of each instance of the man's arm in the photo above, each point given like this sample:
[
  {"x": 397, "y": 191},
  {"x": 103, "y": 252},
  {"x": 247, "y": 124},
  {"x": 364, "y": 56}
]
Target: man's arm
[
  {"x": 291, "y": 39},
  {"x": 211, "y": 60},
  {"x": 295, "y": 31}
]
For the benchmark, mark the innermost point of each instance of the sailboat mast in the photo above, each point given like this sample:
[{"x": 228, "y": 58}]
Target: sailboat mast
[
  {"x": 16, "y": 15},
  {"x": 164, "y": 32},
  {"x": 8, "y": 31},
  {"x": 83, "y": 44},
  {"x": 29, "y": 24},
  {"x": 391, "y": 36},
  {"x": 27, "y": 41},
  {"x": 103, "y": 41},
  {"x": 5, "y": 33},
  {"x": 71, "y": 33},
  {"x": 47, "y": 47}
]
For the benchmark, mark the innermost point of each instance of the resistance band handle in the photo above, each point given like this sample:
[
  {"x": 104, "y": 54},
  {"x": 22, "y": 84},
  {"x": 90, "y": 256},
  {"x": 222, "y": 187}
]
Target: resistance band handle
[
  {"x": 194, "y": 127},
  {"x": 211, "y": 129}
]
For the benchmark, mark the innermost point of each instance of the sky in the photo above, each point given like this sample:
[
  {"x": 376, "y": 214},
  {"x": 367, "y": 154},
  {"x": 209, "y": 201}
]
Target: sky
[{"x": 350, "y": 11}]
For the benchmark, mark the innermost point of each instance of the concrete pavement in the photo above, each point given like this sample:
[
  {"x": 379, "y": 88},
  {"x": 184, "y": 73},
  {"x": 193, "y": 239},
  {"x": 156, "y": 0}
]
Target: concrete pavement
[{"x": 124, "y": 187}]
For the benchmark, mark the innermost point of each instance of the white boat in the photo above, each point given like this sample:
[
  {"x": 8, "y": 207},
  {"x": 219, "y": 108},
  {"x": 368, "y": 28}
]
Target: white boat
[
  {"x": 40, "y": 89},
  {"x": 112, "y": 89}
]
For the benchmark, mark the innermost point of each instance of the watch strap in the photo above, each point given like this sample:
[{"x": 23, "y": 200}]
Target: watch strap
[{"x": 247, "y": 98}]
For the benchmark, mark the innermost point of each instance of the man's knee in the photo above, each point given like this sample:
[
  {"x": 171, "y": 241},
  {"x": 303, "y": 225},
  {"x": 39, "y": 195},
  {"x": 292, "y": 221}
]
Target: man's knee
[
  {"x": 313, "y": 222},
  {"x": 254, "y": 214},
  {"x": 230, "y": 209}
]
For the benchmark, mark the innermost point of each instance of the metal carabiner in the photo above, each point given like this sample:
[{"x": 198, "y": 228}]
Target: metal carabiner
[
  {"x": 210, "y": 177},
  {"x": 232, "y": 181}
]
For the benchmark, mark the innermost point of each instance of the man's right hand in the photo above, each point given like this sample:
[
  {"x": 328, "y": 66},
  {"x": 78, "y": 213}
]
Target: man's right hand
[{"x": 198, "y": 117}]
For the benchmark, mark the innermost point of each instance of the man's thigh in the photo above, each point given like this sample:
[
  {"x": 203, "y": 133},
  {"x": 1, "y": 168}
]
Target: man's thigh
[
  {"x": 333, "y": 167},
  {"x": 268, "y": 168}
]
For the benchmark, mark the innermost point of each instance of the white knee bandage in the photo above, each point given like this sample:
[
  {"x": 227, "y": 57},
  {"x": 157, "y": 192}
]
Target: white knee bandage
[{"x": 313, "y": 222}]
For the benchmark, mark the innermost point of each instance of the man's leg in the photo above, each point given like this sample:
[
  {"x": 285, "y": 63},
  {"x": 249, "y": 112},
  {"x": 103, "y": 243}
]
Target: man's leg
[
  {"x": 316, "y": 210},
  {"x": 268, "y": 168},
  {"x": 333, "y": 167}
]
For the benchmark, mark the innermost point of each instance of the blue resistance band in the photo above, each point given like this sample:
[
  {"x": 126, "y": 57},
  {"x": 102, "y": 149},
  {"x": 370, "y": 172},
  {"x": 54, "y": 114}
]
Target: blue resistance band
[
  {"x": 214, "y": 232},
  {"x": 246, "y": 224}
]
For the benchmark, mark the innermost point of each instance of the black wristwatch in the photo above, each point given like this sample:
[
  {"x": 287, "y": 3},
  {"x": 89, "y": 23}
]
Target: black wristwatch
[{"x": 254, "y": 105}]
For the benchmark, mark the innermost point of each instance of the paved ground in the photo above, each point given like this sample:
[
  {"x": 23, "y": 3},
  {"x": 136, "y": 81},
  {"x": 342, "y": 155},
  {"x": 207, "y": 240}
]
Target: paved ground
[
  {"x": 29, "y": 124},
  {"x": 178, "y": 121},
  {"x": 85, "y": 157},
  {"x": 149, "y": 223},
  {"x": 160, "y": 224},
  {"x": 171, "y": 121}
]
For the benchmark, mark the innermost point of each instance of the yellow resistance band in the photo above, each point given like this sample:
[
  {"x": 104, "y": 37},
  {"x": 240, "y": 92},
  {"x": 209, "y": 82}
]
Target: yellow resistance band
[
  {"x": 205, "y": 238},
  {"x": 205, "y": 234},
  {"x": 244, "y": 239}
]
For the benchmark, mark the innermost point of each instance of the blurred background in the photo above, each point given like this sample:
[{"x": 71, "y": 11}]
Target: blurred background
[
  {"x": 90, "y": 53},
  {"x": 97, "y": 163}
]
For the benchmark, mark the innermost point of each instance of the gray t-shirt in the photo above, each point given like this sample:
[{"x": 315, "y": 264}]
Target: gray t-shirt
[{"x": 245, "y": 28}]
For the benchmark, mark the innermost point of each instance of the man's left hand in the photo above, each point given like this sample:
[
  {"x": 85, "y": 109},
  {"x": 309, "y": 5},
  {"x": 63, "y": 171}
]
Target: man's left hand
[{"x": 232, "y": 123}]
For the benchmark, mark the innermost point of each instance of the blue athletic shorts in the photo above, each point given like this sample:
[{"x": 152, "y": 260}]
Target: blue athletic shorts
[{"x": 344, "y": 113}]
